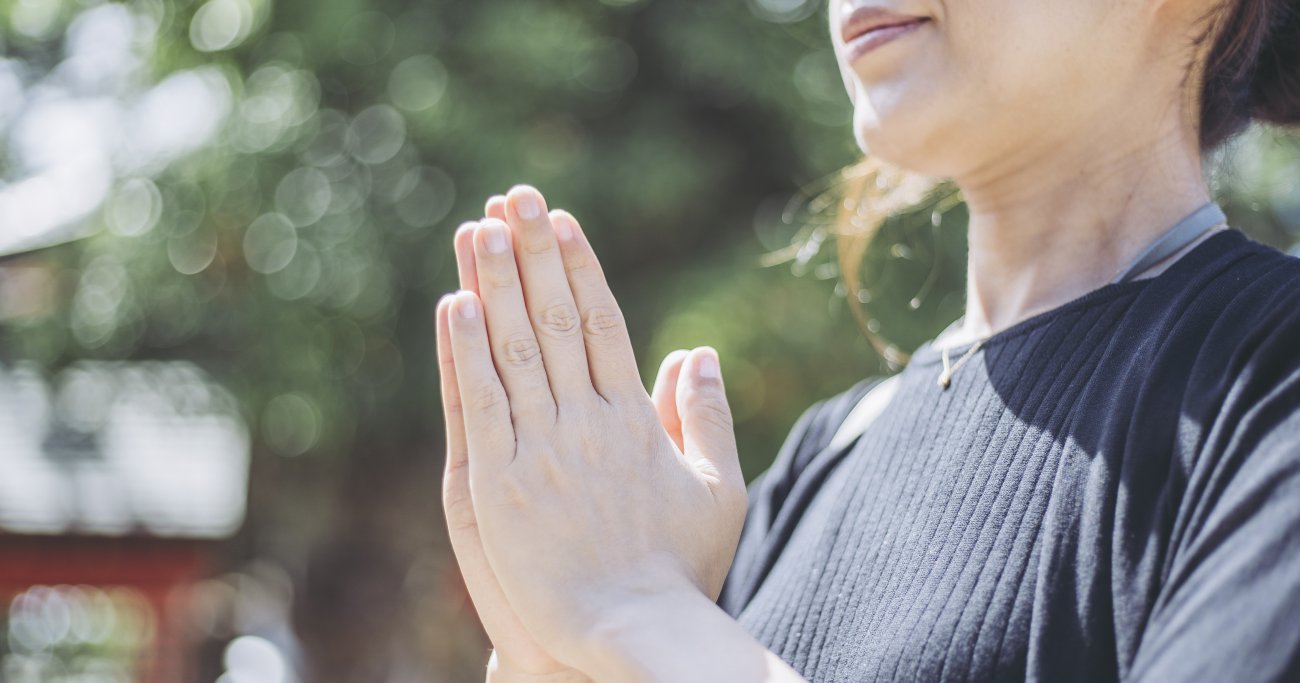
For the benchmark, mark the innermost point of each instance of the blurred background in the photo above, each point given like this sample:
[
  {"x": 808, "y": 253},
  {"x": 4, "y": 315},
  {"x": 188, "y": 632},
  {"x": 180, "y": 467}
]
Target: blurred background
[{"x": 224, "y": 225}]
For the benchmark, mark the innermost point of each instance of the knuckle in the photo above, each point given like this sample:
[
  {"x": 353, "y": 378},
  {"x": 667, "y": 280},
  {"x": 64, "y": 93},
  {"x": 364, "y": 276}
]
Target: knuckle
[
  {"x": 554, "y": 472},
  {"x": 560, "y": 319},
  {"x": 453, "y": 408},
  {"x": 521, "y": 350},
  {"x": 498, "y": 278},
  {"x": 459, "y": 510},
  {"x": 459, "y": 513},
  {"x": 628, "y": 400},
  {"x": 531, "y": 415},
  {"x": 583, "y": 263},
  {"x": 460, "y": 523},
  {"x": 641, "y": 422},
  {"x": 712, "y": 413},
  {"x": 455, "y": 474},
  {"x": 650, "y": 441},
  {"x": 575, "y": 410},
  {"x": 645, "y": 419},
  {"x": 514, "y": 490},
  {"x": 487, "y": 397},
  {"x": 604, "y": 323},
  {"x": 537, "y": 242}
]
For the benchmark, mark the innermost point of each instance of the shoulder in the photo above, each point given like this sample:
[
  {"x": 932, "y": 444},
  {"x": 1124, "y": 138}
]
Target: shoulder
[
  {"x": 811, "y": 434},
  {"x": 1252, "y": 273},
  {"x": 770, "y": 493},
  {"x": 817, "y": 425},
  {"x": 1242, "y": 358},
  {"x": 1250, "y": 307},
  {"x": 1234, "y": 305}
]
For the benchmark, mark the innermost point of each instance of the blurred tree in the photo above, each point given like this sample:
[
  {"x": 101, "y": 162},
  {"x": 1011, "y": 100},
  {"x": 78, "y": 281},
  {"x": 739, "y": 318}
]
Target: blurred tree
[{"x": 275, "y": 185}]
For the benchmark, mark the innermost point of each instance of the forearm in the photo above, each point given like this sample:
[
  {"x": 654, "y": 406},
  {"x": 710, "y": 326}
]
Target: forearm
[{"x": 683, "y": 637}]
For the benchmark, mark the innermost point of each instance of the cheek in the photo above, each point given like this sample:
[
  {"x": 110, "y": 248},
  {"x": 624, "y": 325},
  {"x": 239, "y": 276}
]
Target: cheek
[
  {"x": 994, "y": 74},
  {"x": 903, "y": 115}
]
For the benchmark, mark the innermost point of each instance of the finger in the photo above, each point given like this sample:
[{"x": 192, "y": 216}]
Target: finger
[
  {"x": 458, "y": 507},
  {"x": 499, "y": 620},
  {"x": 708, "y": 433},
  {"x": 485, "y": 406},
  {"x": 464, "y": 245},
  {"x": 513, "y": 342},
  {"x": 547, "y": 294},
  {"x": 457, "y": 504},
  {"x": 452, "y": 411},
  {"x": 496, "y": 207},
  {"x": 664, "y": 395},
  {"x": 609, "y": 347}
]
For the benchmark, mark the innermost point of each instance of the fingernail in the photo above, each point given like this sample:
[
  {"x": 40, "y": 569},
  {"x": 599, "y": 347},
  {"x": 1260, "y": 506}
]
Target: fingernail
[
  {"x": 496, "y": 237},
  {"x": 528, "y": 206},
  {"x": 466, "y": 306},
  {"x": 562, "y": 228},
  {"x": 708, "y": 367}
]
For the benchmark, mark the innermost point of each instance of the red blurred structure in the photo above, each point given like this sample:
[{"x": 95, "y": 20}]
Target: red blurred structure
[
  {"x": 135, "y": 579},
  {"x": 119, "y": 479}
]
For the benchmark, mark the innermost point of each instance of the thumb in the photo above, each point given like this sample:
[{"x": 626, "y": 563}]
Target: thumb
[
  {"x": 664, "y": 395},
  {"x": 708, "y": 434}
]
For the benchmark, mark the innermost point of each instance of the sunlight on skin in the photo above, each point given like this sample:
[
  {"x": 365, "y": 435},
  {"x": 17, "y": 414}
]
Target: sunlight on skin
[
  {"x": 515, "y": 652},
  {"x": 582, "y": 499},
  {"x": 516, "y": 655},
  {"x": 550, "y": 429},
  {"x": 1100, "y": 91}
]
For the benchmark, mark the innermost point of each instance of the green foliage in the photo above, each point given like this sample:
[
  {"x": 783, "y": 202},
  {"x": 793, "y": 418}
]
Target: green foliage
[{"x": 297, "y": 254}]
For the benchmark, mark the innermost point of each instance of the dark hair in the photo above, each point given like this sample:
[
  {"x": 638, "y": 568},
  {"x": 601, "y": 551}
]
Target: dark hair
[{"x": 1253, "y": 69}]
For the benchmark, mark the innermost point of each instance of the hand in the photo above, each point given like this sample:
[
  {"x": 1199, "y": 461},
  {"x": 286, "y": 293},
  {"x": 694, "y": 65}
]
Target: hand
[
  {"x": 516, "y": 657},
  {"x": 582, "y": 499}
]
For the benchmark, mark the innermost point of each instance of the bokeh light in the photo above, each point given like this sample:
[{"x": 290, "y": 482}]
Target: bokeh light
[
  {"x": 82, "y": 633},
  {"x": 224, "y": 225}
]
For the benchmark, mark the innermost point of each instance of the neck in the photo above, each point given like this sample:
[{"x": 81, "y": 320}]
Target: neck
[{"x": 1045, "y": 231}]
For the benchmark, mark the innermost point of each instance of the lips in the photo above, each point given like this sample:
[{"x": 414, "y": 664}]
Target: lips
[{"x": 868, "y": 27}]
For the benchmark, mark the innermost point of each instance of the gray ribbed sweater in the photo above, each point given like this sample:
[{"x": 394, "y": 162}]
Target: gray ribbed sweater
[{"x": 1109, "y": 490}]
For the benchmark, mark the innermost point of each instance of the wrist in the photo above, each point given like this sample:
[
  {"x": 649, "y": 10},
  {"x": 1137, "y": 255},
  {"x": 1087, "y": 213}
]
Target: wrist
[
  {"x": 623, "y": 637},
  {"x": 679, "y": 636},
  {"x": 676, "y": 636},
  {"x": 503, "y": 670}
]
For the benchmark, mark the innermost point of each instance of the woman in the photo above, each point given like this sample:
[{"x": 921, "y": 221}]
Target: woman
[{"x": 1094, "y": 475}]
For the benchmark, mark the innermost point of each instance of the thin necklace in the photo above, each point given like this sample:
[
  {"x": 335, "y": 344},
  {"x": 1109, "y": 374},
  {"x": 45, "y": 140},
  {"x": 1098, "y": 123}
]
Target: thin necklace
[{"x": 1208, "y": 217}]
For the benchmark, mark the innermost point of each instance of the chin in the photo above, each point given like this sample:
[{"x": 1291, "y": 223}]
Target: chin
[{"x": 913, "y": 143}]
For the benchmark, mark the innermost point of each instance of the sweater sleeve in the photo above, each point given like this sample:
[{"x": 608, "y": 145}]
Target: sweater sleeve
[
  {"x": 1229, "y": 609},
  {"x": 768, "y": 493}
]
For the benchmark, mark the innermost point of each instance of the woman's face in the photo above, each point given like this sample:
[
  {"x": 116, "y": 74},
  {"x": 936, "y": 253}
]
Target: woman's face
[{"x": 978, "y": 81}]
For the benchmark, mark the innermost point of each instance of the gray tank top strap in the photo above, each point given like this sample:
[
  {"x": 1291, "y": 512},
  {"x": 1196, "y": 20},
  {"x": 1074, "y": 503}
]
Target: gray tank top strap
[{"x": 1183, "y": 233}]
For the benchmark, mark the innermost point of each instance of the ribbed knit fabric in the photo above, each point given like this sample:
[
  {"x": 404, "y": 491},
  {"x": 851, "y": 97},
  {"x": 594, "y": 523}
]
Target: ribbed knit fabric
[{"x": 1109, "y": 490}]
